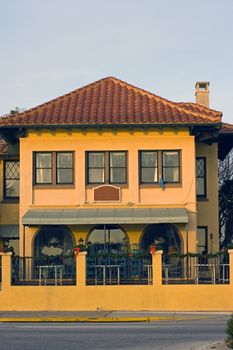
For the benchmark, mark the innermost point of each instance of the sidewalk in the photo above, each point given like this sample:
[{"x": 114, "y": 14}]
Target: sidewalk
[{"x": 105, "y": 316}]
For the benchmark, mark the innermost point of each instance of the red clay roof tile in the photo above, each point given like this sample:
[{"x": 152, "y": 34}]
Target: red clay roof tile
[{"x": 110, "y": 101}]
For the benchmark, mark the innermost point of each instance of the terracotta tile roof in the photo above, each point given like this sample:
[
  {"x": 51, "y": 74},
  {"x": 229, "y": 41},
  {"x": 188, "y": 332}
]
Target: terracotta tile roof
[
  {"x": 226, "y": 128},
  {"x": 3, "y": 146},
  {"x": 110, "y": 101}
]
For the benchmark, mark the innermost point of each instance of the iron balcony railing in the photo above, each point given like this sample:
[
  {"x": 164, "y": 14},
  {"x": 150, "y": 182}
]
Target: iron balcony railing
[
  {"x": 43, "y": 270},
  {"x": 118, "y": 269},
  {"x": 196, "y": 269}
]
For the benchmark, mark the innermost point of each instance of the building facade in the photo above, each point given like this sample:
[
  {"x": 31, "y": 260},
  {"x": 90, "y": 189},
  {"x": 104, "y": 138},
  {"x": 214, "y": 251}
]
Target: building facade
[{"x": 114, "y": 168}]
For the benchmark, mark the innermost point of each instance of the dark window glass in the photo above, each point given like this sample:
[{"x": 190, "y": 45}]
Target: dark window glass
[
  {"x": 107, "y": 238},
  {"x": 96, "y": 167},
  {"x": 201, "y": 177},
  {"x": 43, "y": 168},
  {"x": 65, "y": 168},
  {"x": 117, "y": 167},
  {"x": 202, "y": 240},
  {"x": 149, "y": 166},
  {"x": 11, "y": 179},
  {"x": 171, "y": 166}
]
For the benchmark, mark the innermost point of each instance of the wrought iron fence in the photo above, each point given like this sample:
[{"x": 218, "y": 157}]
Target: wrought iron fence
[
  {"x": 43, "y": 270},
  {"x": 196, "y": 269},
  {"x": 110, "y": 269}
]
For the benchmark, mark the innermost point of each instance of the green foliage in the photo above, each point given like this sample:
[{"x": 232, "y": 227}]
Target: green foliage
[{"x": 229, "y": 332}]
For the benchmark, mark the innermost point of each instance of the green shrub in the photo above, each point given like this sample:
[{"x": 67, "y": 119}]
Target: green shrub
[{"x": 229, "y": 332}]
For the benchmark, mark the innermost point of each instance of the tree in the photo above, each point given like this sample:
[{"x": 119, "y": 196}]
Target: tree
[{"x": 226, "y": 201}]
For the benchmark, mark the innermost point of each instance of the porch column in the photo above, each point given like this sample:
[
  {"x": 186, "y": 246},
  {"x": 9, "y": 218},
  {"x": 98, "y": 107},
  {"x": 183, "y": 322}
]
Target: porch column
[
  {"x": 157, "y": 267},
  {"x": 81, "y": 269},
  {"x": 6, "y": 270},
  {"x": 230, "y": 252}
]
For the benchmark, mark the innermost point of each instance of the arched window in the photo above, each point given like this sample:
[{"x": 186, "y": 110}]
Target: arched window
[
  {"x": 163, "y": 236},
  {"x": 107, "y": 238},
  {"x": 53, "y": 241}
]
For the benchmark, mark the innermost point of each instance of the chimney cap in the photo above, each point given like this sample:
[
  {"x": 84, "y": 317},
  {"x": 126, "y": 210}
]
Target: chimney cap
[{"x": 202, "y": 85}]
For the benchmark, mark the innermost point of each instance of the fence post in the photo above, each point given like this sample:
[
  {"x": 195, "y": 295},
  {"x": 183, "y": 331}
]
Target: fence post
[
  {"x": 230, "y": 252},
  {"x": 157, "y": 267},
  {"x": 6, "y": 270},
  {"x": 81, "y": 269}
]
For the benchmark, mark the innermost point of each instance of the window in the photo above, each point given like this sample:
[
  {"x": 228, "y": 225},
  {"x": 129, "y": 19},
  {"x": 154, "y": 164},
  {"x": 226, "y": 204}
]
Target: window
[
  {"x": 149, "y": 167},
  {"x": 53, "y": 168},
  {"x": 201, "y": 176},
  {"x": 159, "y": 164},
  {"x": 11, "y": 179},
  {"x": 106, "y": 167},
  {"x": 202, "y": 240},
  {"x": 171, "y": 166}
]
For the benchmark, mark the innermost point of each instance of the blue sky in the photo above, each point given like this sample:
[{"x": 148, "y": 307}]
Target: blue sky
[{"x": 50, "y": 47}]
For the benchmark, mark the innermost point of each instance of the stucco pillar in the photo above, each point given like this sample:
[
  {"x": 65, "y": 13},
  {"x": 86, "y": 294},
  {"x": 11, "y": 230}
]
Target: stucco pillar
[
  {"x": 157, "y": 267},
  {"x": 230, "y": 252},
  {"x": 6, "y": 270},
  {"x": 81, "y": 269}
]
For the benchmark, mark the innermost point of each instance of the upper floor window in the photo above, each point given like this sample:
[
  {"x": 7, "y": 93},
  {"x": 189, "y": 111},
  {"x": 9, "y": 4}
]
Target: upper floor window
[
  {"x": 53, "y": 168},
  {"x": 201, "y": 176},
  {"x": 171, "y": 166},
  {"x": 149, "y": 167},
  {"x": 159, "y": 164},
  {"x": 106, "y": 167},
  {"x": 11, "y": 179}
]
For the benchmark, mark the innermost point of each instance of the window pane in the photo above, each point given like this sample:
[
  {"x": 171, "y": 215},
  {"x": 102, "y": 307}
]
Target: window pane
[
  {"x": 96, "y": 176},
  {"x": 200, "y": 167},
  {"x": 43, "y": 176},
  {"x": 43, "y": 160},
  {"x": 171, "y": 174},
  {"x": 117, "y": 175},
  {"x": 148, "y": 159},
  {"x": 65, "y": 176},
  {"x": 117, "y": 159},
  {"x": 200, "y": 186},
  {"x": 11, "y": 170},
  {"x": 12, "y": 188},
  {"x": 95, "y": 160},
  {"x": 170, "y": 158},
  {"x": 202, "y": 240},
  {"x": 64, "y": 160},
  {"x": 149, "y": 175}
]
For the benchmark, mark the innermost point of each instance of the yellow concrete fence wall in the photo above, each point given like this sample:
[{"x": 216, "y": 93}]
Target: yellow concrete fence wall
[{"x": 156, "y": 297}]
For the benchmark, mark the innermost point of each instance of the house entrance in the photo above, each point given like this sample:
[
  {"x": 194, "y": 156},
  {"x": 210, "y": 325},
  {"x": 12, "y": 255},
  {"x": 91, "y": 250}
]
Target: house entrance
[{"x": 163, "y": 236}]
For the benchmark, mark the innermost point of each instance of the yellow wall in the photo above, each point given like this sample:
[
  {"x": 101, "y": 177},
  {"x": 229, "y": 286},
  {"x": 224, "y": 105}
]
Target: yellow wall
[
  {"x": 207, "y": 209},
  {"x": 155, "y": 297},
  {"x": 183, "y": 196}
]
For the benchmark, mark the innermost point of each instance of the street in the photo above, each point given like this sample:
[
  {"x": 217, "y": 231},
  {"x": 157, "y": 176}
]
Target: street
[{"x": 155, "y": 335}]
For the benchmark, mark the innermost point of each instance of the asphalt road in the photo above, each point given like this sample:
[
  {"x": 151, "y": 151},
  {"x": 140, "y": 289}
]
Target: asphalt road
[{"x": 156, "y": 335}]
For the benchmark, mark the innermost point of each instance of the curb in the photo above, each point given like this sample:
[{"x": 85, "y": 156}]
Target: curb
[{"x": 93, "y": 319}]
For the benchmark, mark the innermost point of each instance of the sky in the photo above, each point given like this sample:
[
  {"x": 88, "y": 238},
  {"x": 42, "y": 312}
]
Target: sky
[{"x": 51, "y": 47}]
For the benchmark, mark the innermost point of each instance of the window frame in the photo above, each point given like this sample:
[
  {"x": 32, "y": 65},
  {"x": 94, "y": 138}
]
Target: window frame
[
  {"x": 202, "y": 196},
  {"x": 107, "y": 168},
  {"x": 5, "y": 197},
  {"x": 171, "y": 167},
  {"x": 160, "y": 168},
  {"x": 141, "y": 167},
  {"x": 206, "y": 238},
  {"x": 54, "y": 183}
]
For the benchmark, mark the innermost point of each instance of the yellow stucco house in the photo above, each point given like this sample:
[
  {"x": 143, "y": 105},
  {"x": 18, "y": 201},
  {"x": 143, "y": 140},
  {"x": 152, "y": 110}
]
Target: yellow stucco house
[{"x": 112, "y": 169}]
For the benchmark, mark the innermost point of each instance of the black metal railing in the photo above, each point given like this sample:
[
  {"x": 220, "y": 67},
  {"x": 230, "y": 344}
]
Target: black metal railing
[
  {"x": 196, "y": 269},
  {"x": 43, "y": 270},
  {"x": 118, "y": 269}
]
